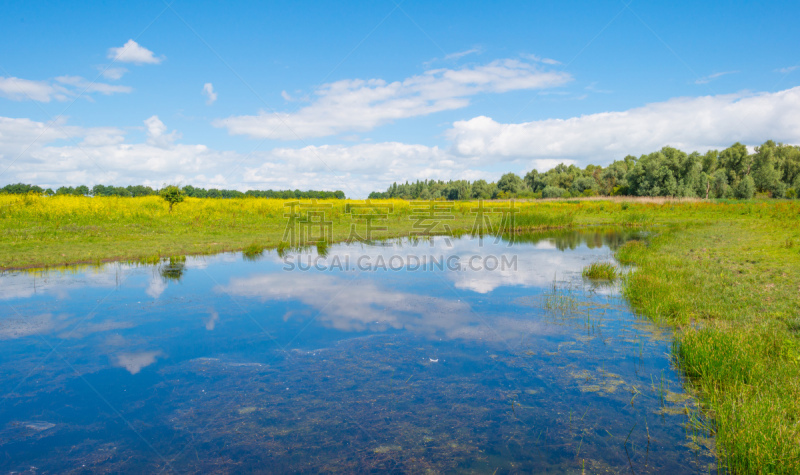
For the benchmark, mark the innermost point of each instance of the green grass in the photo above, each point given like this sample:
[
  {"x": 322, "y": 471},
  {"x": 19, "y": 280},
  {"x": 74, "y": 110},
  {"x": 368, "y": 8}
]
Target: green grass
[
  {"x": 732, "y": 292},
  {"x": 600, "y": 271},
  {"x": 253, "y": 251},
  {"x": 44, "y": 232}
]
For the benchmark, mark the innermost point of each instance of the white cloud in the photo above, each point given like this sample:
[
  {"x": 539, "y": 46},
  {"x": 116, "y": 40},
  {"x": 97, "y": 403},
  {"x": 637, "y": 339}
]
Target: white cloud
[
  {"x": 539, "y": 59},
  {"x": 697, "y": 123},
  {"x": 156, "y": 133},
  {"x": 711, "y": 77},
  {"x": 461, "y": 54},
  {"x": 361, "y": 105},
  {"x": 788, "y": 70},
  {"x": 113, "y": 73},
  {"x": 83, "y": 85},
  {"x": 61, "y": 89},
  {"x": 481, "y": 148},
  {"x": 24, "y": 89},
  {"x": 132, "y": 52},
  {"x": 208, "y": 91},
  {"x": 102, "y": 155}
]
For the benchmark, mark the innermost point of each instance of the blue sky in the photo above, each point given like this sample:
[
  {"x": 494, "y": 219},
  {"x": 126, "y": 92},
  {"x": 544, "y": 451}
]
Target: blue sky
[{"x": 356, "y": 95}]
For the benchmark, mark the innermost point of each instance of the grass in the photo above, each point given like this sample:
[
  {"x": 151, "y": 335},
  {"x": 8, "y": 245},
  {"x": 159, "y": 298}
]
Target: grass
[
  {"x": 732, "y": 292},
  {"x": 39, "y": 231},
  {"x": 724, "y": 275},
  {"x": 600, "y": 271}
]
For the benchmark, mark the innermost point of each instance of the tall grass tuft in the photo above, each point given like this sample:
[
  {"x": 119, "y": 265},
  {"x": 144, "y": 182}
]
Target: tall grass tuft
[
  {"x": 600, "y": 271},
  {"x": 253, "y": 251}
]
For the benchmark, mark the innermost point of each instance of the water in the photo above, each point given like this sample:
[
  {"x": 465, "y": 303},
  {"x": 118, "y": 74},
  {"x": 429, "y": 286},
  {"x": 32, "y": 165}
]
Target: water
[{"x": 238, "y": 365}]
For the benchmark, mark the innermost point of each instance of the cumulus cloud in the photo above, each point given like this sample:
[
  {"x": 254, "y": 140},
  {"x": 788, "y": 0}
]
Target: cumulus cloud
[
  {"x": 157, "y": 135},
  {"x": 133, "y": 52},
  {"x": 360, "y": 105},
  {"x": 208, "y": 91},
  {"x": 59, "y": 155},
  {"x": 480, "y": 148},
  {"x": 698, "y": 123},
  {"x": 60, "y": 89}
]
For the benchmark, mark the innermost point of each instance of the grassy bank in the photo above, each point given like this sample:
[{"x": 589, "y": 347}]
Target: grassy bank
[
  {"x": 40, "y": 231},
  {"x": 726, "y": 276},
  {"x": 732, "y": 290}
]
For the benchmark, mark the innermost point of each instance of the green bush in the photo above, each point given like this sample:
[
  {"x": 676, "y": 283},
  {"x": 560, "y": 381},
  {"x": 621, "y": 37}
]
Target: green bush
[{"x": 172, "y": 195}]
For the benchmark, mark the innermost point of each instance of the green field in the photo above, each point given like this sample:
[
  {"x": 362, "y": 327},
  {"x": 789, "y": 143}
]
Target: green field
[{"x": 724, "y": 275}]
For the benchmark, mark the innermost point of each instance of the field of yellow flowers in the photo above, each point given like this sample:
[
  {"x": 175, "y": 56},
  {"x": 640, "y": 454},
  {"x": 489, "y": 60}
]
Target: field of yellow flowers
[{"x": 47, "y": 231}]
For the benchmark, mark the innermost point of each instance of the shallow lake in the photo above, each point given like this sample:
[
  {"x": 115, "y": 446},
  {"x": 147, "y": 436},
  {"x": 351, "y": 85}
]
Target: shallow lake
[{"x": 442, "y": 355}]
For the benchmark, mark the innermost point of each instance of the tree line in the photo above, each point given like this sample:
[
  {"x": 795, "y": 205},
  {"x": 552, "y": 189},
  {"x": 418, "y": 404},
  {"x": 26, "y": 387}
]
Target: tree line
[
  {"x": 188, "y": 190},
  {"x": 773, "y": 170}
]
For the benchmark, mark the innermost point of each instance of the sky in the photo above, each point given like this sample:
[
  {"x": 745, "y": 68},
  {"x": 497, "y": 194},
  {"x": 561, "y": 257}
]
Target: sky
[{"x": 353, "y": 96}]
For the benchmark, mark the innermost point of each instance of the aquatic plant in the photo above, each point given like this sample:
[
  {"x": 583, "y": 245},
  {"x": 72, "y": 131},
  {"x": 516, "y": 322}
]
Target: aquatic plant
[
  {"x": 253, "y": 251},
  {"x": 600, "y": 271}
]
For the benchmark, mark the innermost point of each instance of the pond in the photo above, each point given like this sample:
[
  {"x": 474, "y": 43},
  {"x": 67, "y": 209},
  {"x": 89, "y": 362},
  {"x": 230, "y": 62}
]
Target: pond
[{"x": 438, "y": 355}]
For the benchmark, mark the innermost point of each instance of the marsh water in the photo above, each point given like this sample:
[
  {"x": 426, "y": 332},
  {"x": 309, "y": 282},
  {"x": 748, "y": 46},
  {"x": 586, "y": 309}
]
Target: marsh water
[{"x": 502, "y": 359}]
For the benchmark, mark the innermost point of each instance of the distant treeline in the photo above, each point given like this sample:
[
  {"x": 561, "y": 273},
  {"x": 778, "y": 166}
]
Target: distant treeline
[
  {"x": 773, "y": 170},
  {"x": 140, "y": 190}
]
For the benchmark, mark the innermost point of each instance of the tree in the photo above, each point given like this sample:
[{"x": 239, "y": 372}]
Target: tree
[
  {"x": 172, "y": 195},
  {"x": 736, "y": 159},
  {"x": 582, "y": 184},
  {"x": 481, "y": 190},
  {"x": 719, "y": 185},
  {"x": 553, "y": 192},
  {"x": 746, "y": 188},
  {"x": 531, "y": 179},
  {"x": 511, "y": 183}
]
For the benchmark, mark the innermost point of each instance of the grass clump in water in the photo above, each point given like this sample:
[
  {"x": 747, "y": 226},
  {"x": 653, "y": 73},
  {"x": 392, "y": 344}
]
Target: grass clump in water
[
  {"x": 600, "y": 271},
  {"x": 253, "y": 251}
]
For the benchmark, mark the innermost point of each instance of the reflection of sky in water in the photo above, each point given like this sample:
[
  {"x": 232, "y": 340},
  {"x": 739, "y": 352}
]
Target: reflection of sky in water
[{"x": 169, "y": 353}]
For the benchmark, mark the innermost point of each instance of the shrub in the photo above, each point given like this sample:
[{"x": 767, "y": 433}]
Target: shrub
[{"x": 172, "y": 195}]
